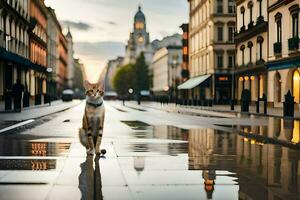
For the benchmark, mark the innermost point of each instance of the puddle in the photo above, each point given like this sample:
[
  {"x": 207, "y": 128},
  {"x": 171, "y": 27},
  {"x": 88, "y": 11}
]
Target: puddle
[
  {"x": 4, "y": 124},
  {"x": 137, "y": 125},
  {"x": 214, "y": 164},
  {"x": 27, "y": 164},
  {"x": 278, "y": 131},
  {"x": 18, "y": 147}
]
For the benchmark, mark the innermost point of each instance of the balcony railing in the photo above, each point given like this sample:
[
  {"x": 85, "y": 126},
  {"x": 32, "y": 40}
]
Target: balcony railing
[
  {"x": 277, "y": 47},
  {"x": 293, "y": 43}
]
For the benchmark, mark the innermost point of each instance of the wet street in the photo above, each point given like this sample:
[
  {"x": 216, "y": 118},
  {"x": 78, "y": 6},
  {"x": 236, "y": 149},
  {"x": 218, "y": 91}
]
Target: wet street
[{"x": 153, "y": 154}]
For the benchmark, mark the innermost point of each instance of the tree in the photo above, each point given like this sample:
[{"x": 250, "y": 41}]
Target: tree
[
  {"x": 142, "y": 79},
  {"x": 124, "y": 80}
]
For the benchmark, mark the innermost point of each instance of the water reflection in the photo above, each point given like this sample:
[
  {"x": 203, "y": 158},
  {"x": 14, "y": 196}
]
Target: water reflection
[
  {"x": 278, "y": 130},
  {"x": 261, "y": 169},
  {"x": 90, "y": 184},
  {"x": 18, "y": 147},
  {"x": 27, "y": 164}
]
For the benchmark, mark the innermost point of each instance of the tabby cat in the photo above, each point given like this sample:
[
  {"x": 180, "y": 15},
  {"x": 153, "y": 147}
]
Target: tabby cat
[{"x": 91, "y": 133}]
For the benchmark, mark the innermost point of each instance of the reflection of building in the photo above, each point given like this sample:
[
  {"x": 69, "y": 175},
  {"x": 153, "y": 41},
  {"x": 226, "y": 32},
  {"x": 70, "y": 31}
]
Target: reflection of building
[
  {"x": 211, "y": 50},
  {"x": 251, "y": 44},
  {"x": 283, "y": 56},
  {"x": 111, "y": 69},
  {"x": 204, "y": 143},
  {"x": 166, "y": 66},
  {"x": 139, "y": 40}
]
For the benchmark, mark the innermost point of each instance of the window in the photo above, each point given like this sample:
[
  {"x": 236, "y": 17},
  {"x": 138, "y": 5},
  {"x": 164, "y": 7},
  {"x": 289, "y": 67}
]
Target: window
[
  {"x": 243, "y": 17},
  {"x": 231, "y": 61},
  {"x": 230, "y": 33},
  {"x": 295, "y": 21},
  {"x": 219, "y": 61},
  {"x": 231, "y": 6},
  {"x": 278, "y": 26},
  {"x": 260, "y": 7},
  {"x": 296, "y": 86},
  {"x": 279, "y": 31},
  {"x": 260, "y": 41},
  {"x": 220, "y": 34},
  {"x": 250, "y": 45},
  {"x": 250, "y": 6},
  {"x": 219, "y": 6},
  {"x": 242, "y": 48}
]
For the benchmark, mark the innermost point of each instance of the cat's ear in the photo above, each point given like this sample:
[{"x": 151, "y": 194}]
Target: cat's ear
[
  {"x": 86, "y": 84},
  {"x": 101, "y": 85}
]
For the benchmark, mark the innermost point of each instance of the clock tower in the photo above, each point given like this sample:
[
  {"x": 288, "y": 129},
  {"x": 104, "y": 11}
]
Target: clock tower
[{"x": 139, "y": 39}]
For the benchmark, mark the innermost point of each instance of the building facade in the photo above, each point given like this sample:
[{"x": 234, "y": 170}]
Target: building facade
[
  {"x": 139, "y": 40},
  {"x": 251, "y": 48},
  {"x": 70, "y": 59},
  {"x": 38, "y": 50},
  {"x": 14, "y": 51},
  {"x": 56, "y": 56},
  {"x": 283, "y": 54},
  {"x": 111, "y": 69},
  {"x": 166, "y": 66},
  {"x": 211, "y": 50}
]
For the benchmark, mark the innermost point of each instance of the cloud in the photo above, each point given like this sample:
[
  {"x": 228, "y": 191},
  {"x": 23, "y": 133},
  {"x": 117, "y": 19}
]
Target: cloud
[
  {"x": 77, "y": 25},
  {"x": 99, "y": 50}
]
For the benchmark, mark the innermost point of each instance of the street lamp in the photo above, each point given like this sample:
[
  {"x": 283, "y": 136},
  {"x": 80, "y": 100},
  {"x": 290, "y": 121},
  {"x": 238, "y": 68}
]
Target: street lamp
[
  {"x": 49, "y": 87},
  {"x": 174, "y": 69}
]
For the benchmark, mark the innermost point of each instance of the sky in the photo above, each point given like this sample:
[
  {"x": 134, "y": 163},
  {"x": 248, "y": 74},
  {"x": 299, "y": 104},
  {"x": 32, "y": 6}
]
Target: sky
[{"x": 100, "y": 28}]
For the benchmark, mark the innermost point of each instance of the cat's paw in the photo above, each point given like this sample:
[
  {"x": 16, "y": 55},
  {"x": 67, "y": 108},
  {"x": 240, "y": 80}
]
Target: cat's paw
[{"x": 102, "y": 152}]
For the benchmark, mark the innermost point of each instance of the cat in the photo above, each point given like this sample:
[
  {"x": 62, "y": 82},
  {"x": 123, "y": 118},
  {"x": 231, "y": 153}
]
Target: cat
[{"x": 90, "y": 135}]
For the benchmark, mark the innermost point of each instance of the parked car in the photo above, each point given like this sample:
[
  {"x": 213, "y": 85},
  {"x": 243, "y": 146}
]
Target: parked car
[{"x": 67, "y": 95}]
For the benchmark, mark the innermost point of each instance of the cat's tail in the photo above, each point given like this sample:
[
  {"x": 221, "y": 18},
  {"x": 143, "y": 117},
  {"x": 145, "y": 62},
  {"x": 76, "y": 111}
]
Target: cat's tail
[{"x": 83, "y": 137}]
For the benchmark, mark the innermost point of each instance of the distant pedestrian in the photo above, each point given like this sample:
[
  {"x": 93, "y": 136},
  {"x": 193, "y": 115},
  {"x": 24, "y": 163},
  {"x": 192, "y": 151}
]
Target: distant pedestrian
[{"x": 17, "y": 91}]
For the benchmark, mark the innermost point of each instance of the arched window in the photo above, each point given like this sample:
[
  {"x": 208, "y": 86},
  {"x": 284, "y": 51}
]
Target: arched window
[
  {"x": 296, "y": 86},
  {"x": 250, "y": 45},
  {"x": 260, "y": 40},
  {"x": 277, "y": 81},
  {"x": 242, "y": 48}
]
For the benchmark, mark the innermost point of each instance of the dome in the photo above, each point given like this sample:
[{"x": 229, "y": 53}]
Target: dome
[{"x": 139, "y": 16}]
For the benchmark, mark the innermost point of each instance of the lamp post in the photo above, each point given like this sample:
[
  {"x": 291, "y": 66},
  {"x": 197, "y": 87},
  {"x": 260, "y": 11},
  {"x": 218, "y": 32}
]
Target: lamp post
[
  {"x": 232, "y": 89},
  {"x": 49, "y": 77},
  {"x": 174, "y": 69}
]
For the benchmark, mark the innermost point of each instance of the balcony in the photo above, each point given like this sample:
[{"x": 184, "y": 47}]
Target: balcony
[
  {"x": 277, "y": 47},
  {"x": 293, "y": 43}
]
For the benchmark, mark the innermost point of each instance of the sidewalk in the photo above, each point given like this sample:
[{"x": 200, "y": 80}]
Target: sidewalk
[
  {"x": 38, "y": 111},
  {"x": 215, "y": 110}
]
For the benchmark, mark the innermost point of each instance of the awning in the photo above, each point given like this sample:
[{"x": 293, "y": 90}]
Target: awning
[{"x": 193, "y": 82}]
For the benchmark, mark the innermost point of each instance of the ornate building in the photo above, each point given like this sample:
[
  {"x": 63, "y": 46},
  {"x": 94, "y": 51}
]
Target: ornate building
[
  {"x": 22, "y": 51},
  {"x": 70, "y": 59},
  {"x": 139, "y": 40},
  {"x": 211, "y": 51},
  {"x": 251, "y": 48},
  {"x": 283, "y": 55}
]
